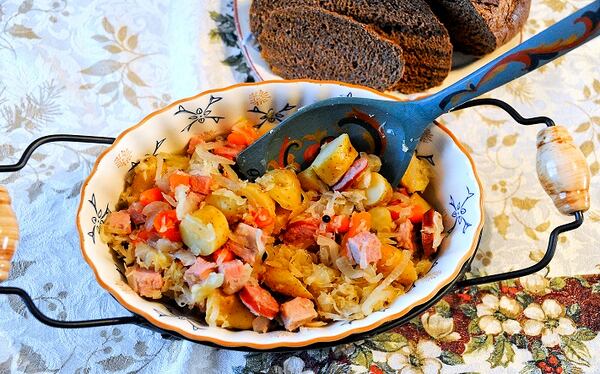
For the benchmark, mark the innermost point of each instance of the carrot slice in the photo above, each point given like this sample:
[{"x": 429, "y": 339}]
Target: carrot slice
[
  {"x": 418, "y": 208},
  {"x": 236, "y": 138},
  {"x": 339, "y": 224},
  {"x": 151, "y": 195},
  {"x": 229, "y": 152},
  {"x": 223, "y": 255},
  {"x": 360, "y": 221},
  {"x": 178, "y": 178},
  {"x": 262, "y": 217}
]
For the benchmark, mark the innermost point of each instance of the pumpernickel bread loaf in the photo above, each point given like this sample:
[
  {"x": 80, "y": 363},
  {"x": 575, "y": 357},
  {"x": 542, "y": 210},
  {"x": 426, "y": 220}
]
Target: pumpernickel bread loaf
[
  {"x": 409, "y": 23},
  {"x": 311, "y": 42},
  {"x": 478, "y": 27}
]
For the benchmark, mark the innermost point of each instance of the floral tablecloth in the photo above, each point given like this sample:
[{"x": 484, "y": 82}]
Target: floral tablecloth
[{"x": 98, "y": 66}]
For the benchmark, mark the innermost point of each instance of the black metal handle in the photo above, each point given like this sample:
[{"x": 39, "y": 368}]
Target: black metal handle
[
  {"x": 37, "y": 313},
  {"x": 134, "y": 319},
  {"x": 532, "y": 269},
  {"x": 27, "y": 300},
  {"x": 553, "y": 239},
  {"x": 51, "y": 139}
]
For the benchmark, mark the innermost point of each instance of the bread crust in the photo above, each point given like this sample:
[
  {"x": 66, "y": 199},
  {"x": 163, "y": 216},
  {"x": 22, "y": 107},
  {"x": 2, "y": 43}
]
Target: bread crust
[
  {"x": 408, "y": 23},
  {"x": 478, "y": 27},
  {"x": 311, "y": 42}
]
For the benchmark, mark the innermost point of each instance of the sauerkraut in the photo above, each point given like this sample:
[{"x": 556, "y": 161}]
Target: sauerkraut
[{"x": 188, "y": 229}]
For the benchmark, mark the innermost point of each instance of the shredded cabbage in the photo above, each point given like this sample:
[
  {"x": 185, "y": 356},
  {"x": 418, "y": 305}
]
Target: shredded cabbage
[
  {"x": 378, "y": 295},
  {"x": 201, "y": 291},
  {"x": 329, "y": 250},
  {"x": 267, "y": 182},
  {"x": 186, "y": 257},
  {"x": 159, "y": 168},
  {"x": 201, "y": 154},
  {"x": 148, "y": 257},
  {"x": 341, "y": 289}
]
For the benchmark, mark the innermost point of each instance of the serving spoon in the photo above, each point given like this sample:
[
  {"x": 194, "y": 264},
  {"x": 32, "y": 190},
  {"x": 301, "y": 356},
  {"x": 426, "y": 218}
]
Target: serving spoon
[{"x": 392, "y": 129}]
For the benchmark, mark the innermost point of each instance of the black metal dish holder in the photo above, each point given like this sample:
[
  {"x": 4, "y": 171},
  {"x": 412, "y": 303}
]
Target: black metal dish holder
[{"x": 456, "y": 283}]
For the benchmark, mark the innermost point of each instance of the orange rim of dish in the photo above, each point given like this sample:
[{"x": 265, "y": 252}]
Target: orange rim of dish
[{"x": 254, "y": 345}]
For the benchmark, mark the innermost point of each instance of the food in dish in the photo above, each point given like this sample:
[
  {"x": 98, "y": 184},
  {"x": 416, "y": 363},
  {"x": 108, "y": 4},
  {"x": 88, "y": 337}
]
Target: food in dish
[
  {"x": 315, "y": 39},
  {"x": 333, "y": 242}
]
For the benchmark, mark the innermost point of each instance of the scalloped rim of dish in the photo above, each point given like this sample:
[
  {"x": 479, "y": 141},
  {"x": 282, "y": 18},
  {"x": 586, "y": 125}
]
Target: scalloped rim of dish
[
  {"x": 257, "y": 345},
  {"x": 455, "y": 74}
]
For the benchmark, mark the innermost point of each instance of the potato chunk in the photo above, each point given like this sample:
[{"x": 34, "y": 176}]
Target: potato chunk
[
  {"x": 334, "y": 159},
  {"x": 230, "y": 204},
  {"x": 382, "y": 219},
  {"x": 416, "y": 177},
  {"x": 309, "y": 180},
  {"x": 284, "y": 187},
  {"x": 257, "y": 198},
  {"x": 142, "y": 178},
  {"x": 282, "y": 281},
  {"x": 379, "y": 191},
  {"x": 409, "y": 275},
  {"x": 228, "y": 311},
  {"x": 205, "y": 230}
]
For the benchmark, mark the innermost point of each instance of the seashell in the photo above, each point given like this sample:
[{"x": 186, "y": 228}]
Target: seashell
[
  {"x": 9, "y": 233},
  {"x": 562, "y": 170}
]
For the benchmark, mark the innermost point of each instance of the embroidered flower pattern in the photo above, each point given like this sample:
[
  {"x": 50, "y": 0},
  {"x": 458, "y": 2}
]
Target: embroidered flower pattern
[
  {"x": 439, "y": 327},
  {"x": 420, "y": 358},
  {"x": 548, "y": 320},
  {"x": 497, "y": 316}
]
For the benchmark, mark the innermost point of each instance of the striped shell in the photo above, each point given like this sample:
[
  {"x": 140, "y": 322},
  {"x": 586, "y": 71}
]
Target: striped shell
[
  {"x": 9, "y": 233},
  {"x": 562, "y": 170}
]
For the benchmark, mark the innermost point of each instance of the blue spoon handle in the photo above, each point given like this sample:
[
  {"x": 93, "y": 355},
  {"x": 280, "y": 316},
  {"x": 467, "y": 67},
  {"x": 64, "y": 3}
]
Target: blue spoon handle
[{"x": 562, "y": 37}]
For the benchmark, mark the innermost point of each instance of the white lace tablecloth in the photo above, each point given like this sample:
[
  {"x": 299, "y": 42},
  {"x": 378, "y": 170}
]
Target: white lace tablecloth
[{"x": 99, "y": 66}]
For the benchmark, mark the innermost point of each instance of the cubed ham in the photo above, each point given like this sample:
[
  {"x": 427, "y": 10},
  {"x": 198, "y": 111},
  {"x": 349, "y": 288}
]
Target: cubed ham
[
  {"x": 118, "y": 223},
  {"x": 248, "y": 242},
  {"x": 297, "y": 312},
  {"x": 235, "y": 275},
  {"x": 405, "y": 235},
  {"x": 258, "y": 300},
  {"x": 199, "y": 271},
  {"x": 301, "y": 233},
  {"x": 145, "y": 282},
  {"x": 261, "y": 324},
  {"x": 135, "y": 212},
  {"x": 365, "y": 248},
  {"x": 200, "y": 184}
]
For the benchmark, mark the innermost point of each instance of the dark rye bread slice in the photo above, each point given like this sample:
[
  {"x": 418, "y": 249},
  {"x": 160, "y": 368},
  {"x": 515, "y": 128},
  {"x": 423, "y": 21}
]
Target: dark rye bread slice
[
  {"x": 478, "y": 27},
  {"x": 410, "y": 23},
  {"x": 310, "y": 42}
]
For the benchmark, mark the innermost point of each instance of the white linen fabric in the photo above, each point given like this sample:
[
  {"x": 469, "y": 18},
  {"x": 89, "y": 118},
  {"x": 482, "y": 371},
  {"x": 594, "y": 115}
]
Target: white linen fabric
[{"x": 99, "y": 66}]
